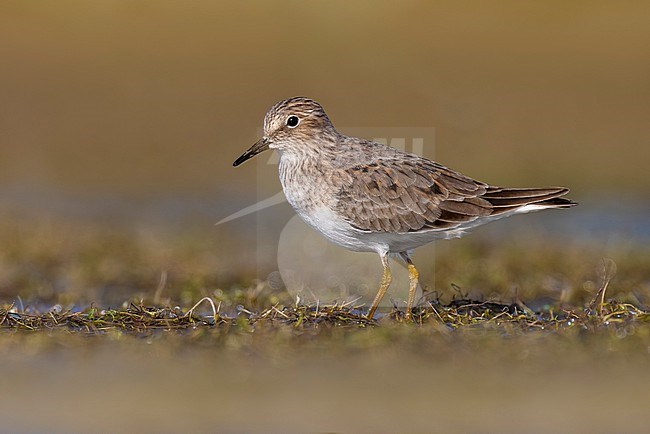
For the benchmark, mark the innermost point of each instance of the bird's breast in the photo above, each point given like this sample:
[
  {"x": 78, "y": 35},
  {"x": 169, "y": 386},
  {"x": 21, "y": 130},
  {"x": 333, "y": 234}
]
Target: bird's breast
[
  {"x": 305, "y": 184},
  {"x": 311, "y": 190}
]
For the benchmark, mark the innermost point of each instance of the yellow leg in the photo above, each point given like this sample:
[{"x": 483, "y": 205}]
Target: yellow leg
[
  {"x": 414, "y": 277},
  {"x": 385, "y": 283},
  {"x": 413, "y": 286}
]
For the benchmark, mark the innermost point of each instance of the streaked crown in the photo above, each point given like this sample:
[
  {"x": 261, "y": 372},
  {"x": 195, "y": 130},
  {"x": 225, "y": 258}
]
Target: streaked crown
[{"x": 297, "y": 116}]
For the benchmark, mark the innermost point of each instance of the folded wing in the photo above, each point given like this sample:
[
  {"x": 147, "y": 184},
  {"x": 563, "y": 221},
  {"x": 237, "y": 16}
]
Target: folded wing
[{"x": 415, "y": 194}]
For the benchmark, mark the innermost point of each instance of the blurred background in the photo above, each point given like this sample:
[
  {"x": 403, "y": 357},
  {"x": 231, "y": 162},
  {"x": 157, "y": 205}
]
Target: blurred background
[
  {"x": 119, "y": 123},
  {"x": 127, "y": 115},
  {"x": 120, "y": 120},
  {"x": 154, "y": 99}
]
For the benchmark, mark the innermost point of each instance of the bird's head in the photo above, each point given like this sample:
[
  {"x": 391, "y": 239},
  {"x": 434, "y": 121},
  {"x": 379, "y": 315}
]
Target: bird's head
[{"x": 291, "y": 124}]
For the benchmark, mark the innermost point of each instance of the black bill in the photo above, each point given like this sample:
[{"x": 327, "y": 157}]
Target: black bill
[{"x": 259, "y": 146}]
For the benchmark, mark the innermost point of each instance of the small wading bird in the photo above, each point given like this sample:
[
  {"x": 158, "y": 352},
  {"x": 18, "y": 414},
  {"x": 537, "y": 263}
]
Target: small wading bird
[{"x": 369, "y": 197}]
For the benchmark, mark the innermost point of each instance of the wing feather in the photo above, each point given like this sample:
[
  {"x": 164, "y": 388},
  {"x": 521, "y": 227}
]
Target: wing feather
[
  {"x": 391, "y": 195},
  {"x": 413, "y": 194}
]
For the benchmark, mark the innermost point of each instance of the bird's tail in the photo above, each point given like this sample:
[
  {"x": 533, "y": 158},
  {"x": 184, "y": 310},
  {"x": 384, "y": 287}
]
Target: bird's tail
[{"x": 526, "y": 199}]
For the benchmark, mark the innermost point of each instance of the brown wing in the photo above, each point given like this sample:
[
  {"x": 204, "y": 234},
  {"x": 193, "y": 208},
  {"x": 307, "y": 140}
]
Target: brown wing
[
  {"x": 417, "y": 194},
  {"x": 408, "y": 196}
]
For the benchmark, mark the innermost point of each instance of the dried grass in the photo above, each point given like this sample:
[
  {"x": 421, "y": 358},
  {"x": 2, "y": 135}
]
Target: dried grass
[{"x": 463, "y": 313}]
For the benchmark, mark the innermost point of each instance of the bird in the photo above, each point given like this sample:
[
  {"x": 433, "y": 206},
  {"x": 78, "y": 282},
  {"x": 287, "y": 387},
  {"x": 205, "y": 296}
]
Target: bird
[{"x": 370, "y": 197}]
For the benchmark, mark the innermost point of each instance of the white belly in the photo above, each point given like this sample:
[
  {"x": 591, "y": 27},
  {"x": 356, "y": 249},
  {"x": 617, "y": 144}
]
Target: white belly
[{"x": 340, "y": 232}]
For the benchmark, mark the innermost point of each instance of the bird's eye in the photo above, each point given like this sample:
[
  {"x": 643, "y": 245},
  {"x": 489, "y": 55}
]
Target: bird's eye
[{"x": 293, "y": 121}]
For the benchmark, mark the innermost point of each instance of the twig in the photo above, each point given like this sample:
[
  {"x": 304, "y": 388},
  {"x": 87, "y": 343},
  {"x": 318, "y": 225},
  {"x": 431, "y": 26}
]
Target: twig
[
  {"x": 608, "y": 272},
  {"x": 215, "y": 315},
  {"x": 161, "y": 285}
]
